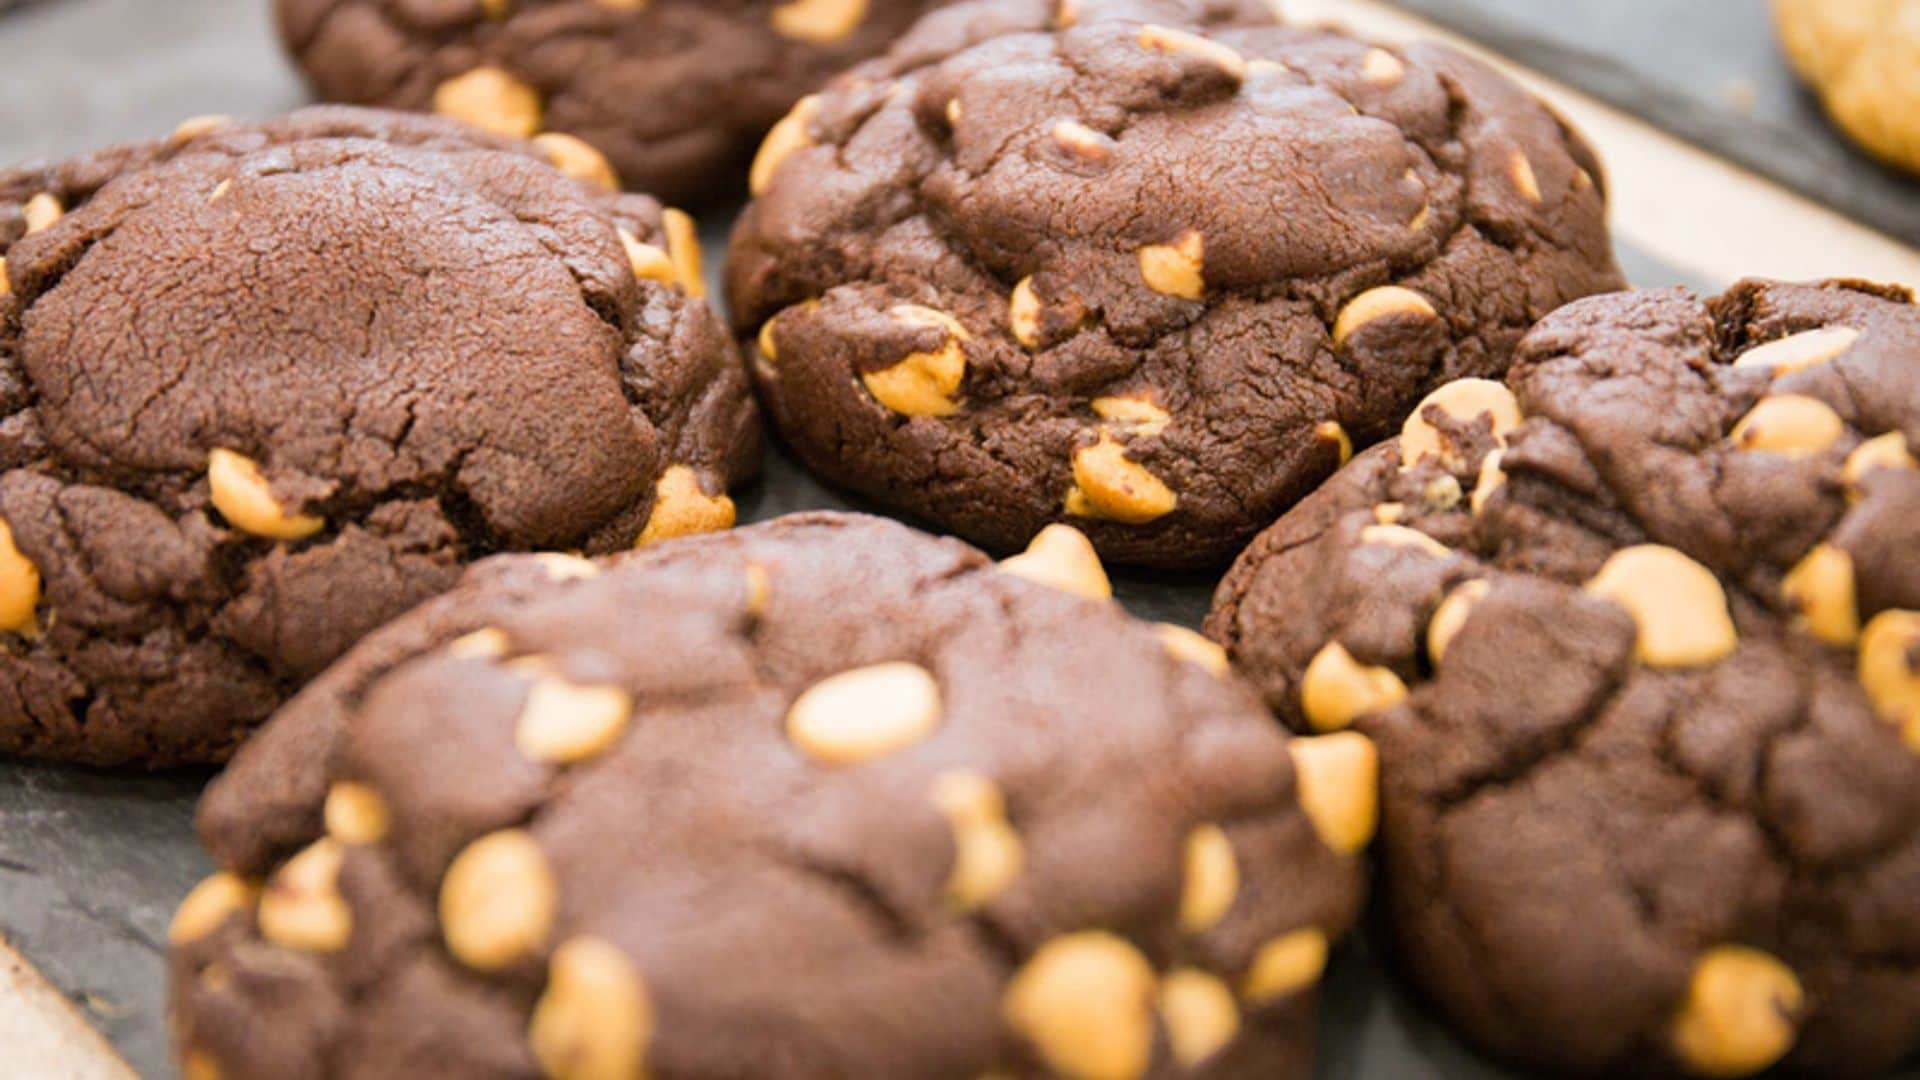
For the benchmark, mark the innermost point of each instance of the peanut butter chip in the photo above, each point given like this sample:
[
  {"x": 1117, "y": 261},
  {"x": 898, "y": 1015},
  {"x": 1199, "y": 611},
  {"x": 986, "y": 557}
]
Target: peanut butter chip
[
  {"x": 578, "y": 159},
  {"x": 594, "y": 1021},
  {"x": 1890, "y": 671},
  {"x": 1188, "y": 647},
  {"x": 1168, "y": 40},
  {"x": 1023, "y": 314},
  {"x": 1332, "y": 431},
  {"x": 1887, "y": 451},
  {"x": 1678, "y": 604},
  {"x": 683, "y": 248},
  {"x": 487, "y": 644},
  {"x": 1452, "y": 615},
  {"x": 42, "y": 212},
  {"x": 491, "y": 100},
  {"x": 1741, "y": 1013},
  {"x": 1082, "y": 142},
  {"x": 1790, "y": 424},
  {"x": 923, "y": 383},
  {"x": 1063, "y": 558},
  {"x": 1464, "y": 401},
  {"x": 564, "y": 723},
  {"x": 1134, "y": 415},
  {"x": 1212, "y": 879},
  {"x": 682, "y": 508},
  {"x": 1387, "y": 301},
  {"x": 1200, "y": 1014},
  {"x": 241, "y": 494},
  {"x": 1382, "y": 68},
  {"x": 1492, "y": 478},
  {"x": 1176, "y": 269},
  {"x": 209, "y": 905},
  {"x": 195, "y": 127},
  {"x": 1800, "y": 351},
  {"x": 649, "y": 262},
  {"x": 987, "y": 851},
  {"x": 1336, "y": 689},
  {"x": 1339, "y": 787},
  {"x": 1286, "y": 965},
  {"x": 302, "y": 907},
  {"x": 1108, "y": 484},
  {"x": 1521, "y": 171},
  {"x": 562, "y": 566},
  {"x": 1402, "y": 536},
  {"x": 1085, "y": 1002},
  {"x": 497, "y": 901},
  {"x": 786, "y": 137},
  {"x": 356, "y": 814},
  {"x": 820, "y": 22},
  {"x": 1821, "y": 586},
  {"x": 865, "y": 713},
  {"x": 19, "y": 586}
]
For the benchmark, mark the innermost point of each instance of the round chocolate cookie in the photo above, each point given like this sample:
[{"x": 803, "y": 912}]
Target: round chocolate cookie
[
  {"x": 265, "y": 386},
  {"x": 820, "y": 797},
  {"x": 674, "y": 93},
  {"x": 1149, "y": 267},
  {"x": 1638, "y": 638}
]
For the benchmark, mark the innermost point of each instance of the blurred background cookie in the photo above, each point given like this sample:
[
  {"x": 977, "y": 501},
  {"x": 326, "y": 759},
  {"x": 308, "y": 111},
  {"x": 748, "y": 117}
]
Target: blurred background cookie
[
  {"x": 1152, "y": 268},
  {"x": 1637, "y": 635},
  {"x": 675, "y": 93},
  {"x": 1863, "y": 58},
  {"x": 265, "y": 386},
  {"x": 819, "y": 797}
]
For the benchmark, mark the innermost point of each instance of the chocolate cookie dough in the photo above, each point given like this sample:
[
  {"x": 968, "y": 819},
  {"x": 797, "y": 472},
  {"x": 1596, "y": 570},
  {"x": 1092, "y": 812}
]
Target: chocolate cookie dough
[
  {"x": 674, "y": 93},
  {"x": 1147, "y": 267},
  {"x": 821, "y": 797},
  {"x": 1638, "y": 638},
  {"x": 1863, "y": 58},
  {"x": 265, "y": 386}
]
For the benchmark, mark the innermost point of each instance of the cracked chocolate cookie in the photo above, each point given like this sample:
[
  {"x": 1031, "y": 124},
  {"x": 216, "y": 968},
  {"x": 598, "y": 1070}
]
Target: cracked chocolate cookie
[
  {"x": 265, "y": 386},
  {"x": 1148, "y": 267},
  {"x": 1638, "y": 637},
  {"x": 675, "y": 94},
  {"x": 820, "y": 797},
  {"x": 1863, "y": 58}
]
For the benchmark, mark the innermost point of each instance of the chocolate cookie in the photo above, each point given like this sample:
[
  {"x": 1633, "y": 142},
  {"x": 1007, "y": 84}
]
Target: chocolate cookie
[
  {"x": 1863, "y": 58},
  {"x": 674, "y": 93},
  {"x": 821, "y": 797},
  {"x": 1639, "y": 642},
  {"x": 265, "y": 386},
  {"x": 1147, "y": 267}
]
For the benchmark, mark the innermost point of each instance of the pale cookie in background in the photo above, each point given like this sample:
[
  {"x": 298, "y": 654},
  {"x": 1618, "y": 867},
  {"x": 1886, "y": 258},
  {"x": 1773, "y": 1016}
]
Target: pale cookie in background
[
  {"x": 819, "y": 797},
  {"x": 1863, "y": 58},
  {"x": 1147, "y": 267},
  {"x": 673, "y": 94},
  {"x": 264, "y": 386},
  {"x": 1637, "y": 635}
]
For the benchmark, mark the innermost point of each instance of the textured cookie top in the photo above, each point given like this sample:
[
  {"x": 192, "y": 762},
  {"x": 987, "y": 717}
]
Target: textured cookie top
[
  {"x": 675, "y": 93},
  {"x": 818, "y": 797},
  {"x": 1144, "y": 266},
  {"x": 1639, "y": 640},
  {"x": 263, "y": 386}
]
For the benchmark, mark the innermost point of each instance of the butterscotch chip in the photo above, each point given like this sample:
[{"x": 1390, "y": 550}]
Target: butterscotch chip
[
  {"x": 1083, "y": 193},
  {"x": 1286, "y": 965},
  {"x": 492, "y": 100},
  {"x": 195, "y": 127},
  {"x": 775, "y": 790},
  {"x": 19, "y": 585},
  {"x": 1339, "y": 779},
  {"x": 1740, "y": 1014},
  {"x": 1108, "y": 484},
  {"x": 1185, "y": 645},
  {"x": 924, "y": 383},
  {"x": 681, "y": 507},
  {"x": 594, "y": 1021},
  {"x": 1639, "y": 625},
  {"x": 577, "y": 158},
  {"x": 649, "y": 262},
  {"x": 1133, "y": 414},
  {"x": 1085, "y": 1002},
  {"x": 820, "y": 22},
  {"x": 1521, "y": 172},
  {"x": 1396, "y": 535},
  {"x": 497, "y": 900},
  {"x": 1464, "y": 402},
  {"x": 301, "y": 907},
  {"x": 1677, "y": 603},
  {"x": 210, "y": 904},
  {"x": 1789, "y": 424},
  {"x": 1062, "y": 557},
  {"x": 563, "y": 722},
  {"x": 356, "y": 814},
  {"x": 683, "y": 247},
  {"x": 1338, "y": 689},
  {"x": 787, "y": 137},
  {"x": 491, "y": 643},
  {"x": 242, "y": 495},
  {"x": 42, "y": 212}
]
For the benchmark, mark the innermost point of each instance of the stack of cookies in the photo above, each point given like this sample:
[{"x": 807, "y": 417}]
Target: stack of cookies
[{"x": 394, "y": 457}]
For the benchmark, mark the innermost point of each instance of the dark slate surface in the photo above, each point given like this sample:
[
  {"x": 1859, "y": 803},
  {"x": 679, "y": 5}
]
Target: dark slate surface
[
  {"x": 1708, "y": 72},
  {"x": 91, "y": 865}
]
